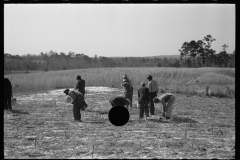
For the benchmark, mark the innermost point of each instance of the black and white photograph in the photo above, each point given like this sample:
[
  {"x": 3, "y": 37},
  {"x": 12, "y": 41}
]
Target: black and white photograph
[{"x": 119, "y": 81}]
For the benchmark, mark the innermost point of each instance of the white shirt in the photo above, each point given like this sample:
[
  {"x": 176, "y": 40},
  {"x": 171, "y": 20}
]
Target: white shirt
[
  {"x": 162, "y": 97},
  {"x": 153, "y": 86}
]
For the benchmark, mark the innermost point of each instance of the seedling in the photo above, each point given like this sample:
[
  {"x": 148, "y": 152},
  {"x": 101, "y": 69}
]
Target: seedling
[
  {"x": 220, "y": 131},
  {"x": 93, "y": 150},
  {"x": 116, "y": 137},
  {"x": 66, "y": 134},
  {"x": 185, "y": 132},
  {"x": 35, "y": 144},
  {"x": 37, "y": 118},
  {"x": 62, "y": 116},
  {"x": 193, "y": 139},
  {"x": 17, "y": 130}
]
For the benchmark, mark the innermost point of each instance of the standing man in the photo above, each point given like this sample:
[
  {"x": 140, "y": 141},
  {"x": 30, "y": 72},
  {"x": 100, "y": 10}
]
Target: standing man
[
  {"x": 153, "y": 90},
  {"x": 81, "y": 88},
  {"x": 167, "y": 101},
  {"x": 119, "y": 101},
  {"x": 78, "y": 100},
  {"x": 127, "y": 91},
  {"x": 143, "y": 100},
  {"x": 125, "y": 77},
  {"x": 7, "y": 94}
]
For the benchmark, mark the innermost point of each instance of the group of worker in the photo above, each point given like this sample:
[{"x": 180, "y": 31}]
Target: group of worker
[{"x": 147, "y": 96}]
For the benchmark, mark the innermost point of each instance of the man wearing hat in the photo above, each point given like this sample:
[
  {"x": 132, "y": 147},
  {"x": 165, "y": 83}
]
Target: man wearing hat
[
  {"x": 143, "y": 100},
  {"x": 78, "y": 102},
  {"x": 128, "y": 94},
  {"x": 167, "y": 101},
  {"x": 81, "y": 88},
  {"x": 153, "y": 90}
]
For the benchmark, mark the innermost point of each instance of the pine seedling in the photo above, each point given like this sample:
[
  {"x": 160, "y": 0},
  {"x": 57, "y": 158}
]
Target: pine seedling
[
  {"x": 36, "y": 118},
  {"x": 221, "y": 132},
  {"x": 17, "y": 129},
  {"x": 62, "y": 116},
  {"x": 192, "y": 143},
  {"x": 185, "y": 132},
  {"x": 35, "y": 144},
  {"x": 92, "y": 150},
  {"x": 66, "y": 134},
  {"x": 193, "y": 139}
]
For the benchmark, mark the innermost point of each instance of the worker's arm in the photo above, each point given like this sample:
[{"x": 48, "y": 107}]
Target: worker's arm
[
  {"x": 150, "y": 87},
  {"x": 83, "y": 83},
  {"x": 77, "y": 86}
]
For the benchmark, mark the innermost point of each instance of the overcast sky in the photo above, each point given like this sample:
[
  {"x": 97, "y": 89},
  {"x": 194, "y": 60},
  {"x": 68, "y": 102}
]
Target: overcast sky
[{"x": 115, "y": 29}]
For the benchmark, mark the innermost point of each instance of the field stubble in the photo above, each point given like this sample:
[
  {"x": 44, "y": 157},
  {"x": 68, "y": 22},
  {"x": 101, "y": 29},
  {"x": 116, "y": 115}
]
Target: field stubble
[{"x": 41, "y": 126}]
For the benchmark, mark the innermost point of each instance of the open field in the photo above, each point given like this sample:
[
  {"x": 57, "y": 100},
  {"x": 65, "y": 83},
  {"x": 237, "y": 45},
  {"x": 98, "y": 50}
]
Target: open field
[
  {"x": 178, "y": 80},
  {"x": 41, "y": 126},
  {"x": 21, "y": 72}
]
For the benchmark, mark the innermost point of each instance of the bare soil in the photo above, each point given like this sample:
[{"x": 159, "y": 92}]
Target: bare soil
[{"x": 42, "y": 126}]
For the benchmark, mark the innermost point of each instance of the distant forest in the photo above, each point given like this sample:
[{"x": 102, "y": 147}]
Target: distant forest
[{"x": 192, "y": 54}]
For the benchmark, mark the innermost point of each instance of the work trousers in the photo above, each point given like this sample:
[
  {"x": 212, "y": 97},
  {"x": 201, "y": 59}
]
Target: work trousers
[
  {"x": 151, "y": 104},
  {"x": 170, "y": 106},
  {"x": 77, "y": 105},
  {"x": 84, "y": 104},
  {"x": 8, "y": 101},
  {"x": 144, "y": 109},
  {"x": 129, "y": 95}
]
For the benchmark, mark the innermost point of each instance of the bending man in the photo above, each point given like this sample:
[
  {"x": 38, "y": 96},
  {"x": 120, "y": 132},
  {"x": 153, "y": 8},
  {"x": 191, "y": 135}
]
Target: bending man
[
  {"x": 167, "y": 101},
  {"x": 78, "y": 102}
]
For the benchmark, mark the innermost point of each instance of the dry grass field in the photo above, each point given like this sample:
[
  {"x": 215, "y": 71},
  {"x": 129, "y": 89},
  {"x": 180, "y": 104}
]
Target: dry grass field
[
  {"x": 178, "y": 80},
  {"x": 41, "y": 125}
]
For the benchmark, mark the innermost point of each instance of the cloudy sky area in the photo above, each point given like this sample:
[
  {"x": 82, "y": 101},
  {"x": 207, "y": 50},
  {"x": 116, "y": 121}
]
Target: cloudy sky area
[{"x": 115, "y": 29}]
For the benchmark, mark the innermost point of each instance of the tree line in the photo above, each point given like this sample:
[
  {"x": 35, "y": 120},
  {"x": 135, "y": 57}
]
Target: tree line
[
  {"x": 54, "y": 61},
  {"x": 192, "y": 54},
  {"x": 200, "y": 54}
]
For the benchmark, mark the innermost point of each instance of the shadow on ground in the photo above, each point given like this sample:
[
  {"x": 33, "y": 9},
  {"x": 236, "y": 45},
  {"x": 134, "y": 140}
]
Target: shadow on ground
[
  {"x": 183, "y": 120},
  {"x": 95, "y": 122},
  {"x": 99, "y": 112},
  {"x": 175, "y": 120},
  {"x": 19, "y": 112}
]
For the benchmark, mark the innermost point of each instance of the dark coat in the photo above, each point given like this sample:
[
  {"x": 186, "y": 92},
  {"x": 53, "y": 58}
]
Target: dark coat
[
  {"x": 81, "y": 86},
  {"x": 143, "y": 94},
  {"x": 76, "y": 96},
  {"x": 7, "y": 88}
]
